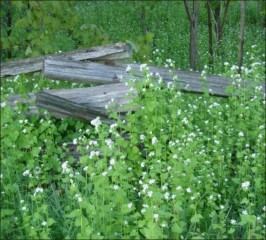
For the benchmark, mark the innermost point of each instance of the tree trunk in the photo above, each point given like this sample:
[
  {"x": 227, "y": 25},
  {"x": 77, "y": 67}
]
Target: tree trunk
[
  {"x": 219, "y": 18},
  {"x": 193, "y": 45},
  {"x": 9, "y": 26},
  {"x": 241, "y": 35},
  {"x": 223, "y": 20},
  {"x": 210, "y": 36},
  {"x": 143, "y": 19},
  {"x": 217, "y": 12}
]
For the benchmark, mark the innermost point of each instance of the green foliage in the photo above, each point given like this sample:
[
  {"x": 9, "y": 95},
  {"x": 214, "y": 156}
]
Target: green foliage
[
  {"x": 190, "y": 166},
  {"x": 180, "y": 166},
  {"x": 42, "y": 27}
]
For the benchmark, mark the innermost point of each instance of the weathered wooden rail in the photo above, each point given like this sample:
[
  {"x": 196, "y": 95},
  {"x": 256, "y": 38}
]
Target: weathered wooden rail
[
  {"x": 84, "y": 103},
  {"x": 107, "y": 52}
]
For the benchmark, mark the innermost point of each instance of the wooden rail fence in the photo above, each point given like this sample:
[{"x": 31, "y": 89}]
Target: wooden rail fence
[{"x": 102, "y": 69}]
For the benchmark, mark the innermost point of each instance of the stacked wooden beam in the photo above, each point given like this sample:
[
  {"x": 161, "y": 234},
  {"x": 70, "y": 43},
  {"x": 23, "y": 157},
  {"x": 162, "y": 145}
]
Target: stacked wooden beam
[{"x": 88, "y": 103}]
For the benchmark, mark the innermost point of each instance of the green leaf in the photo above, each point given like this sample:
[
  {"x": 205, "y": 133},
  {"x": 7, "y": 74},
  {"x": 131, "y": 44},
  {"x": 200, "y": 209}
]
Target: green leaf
[
  {"x": 135, "y": 47},
  {"x": 125, "y": 209},
  {"x": 81, "y": 221},
  {"x": 74, "y": 213},
  {"x": 244, "y": 201},
  {"x": 7, "y": 212},
  {"x": 50, "y": 221},
  {"x": 90, "y": 209},
  {"x": 149, "y": 37},
  {"x": 176, "y": 228},
  {"x": 196, "y": 218}
]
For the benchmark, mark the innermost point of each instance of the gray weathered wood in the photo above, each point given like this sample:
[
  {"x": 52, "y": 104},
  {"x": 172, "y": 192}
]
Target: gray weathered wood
[
  {"x": 86, "y": 72},
  {"x": 107, "y": 52},
  {"x": 85, "y": 103},
  {"x": 105, "y": 74}
]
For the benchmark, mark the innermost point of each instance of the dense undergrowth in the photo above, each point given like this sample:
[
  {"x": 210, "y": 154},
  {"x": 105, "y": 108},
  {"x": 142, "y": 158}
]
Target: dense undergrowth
[{"x": 181, "y": 166}]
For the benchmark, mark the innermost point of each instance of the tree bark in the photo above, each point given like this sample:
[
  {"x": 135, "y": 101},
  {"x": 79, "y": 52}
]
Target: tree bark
[
  {"x": 219, "y": 19},
  {"x": 193, "y": 45},
  {"x": 217, "y": 13},
  {"x": 210, "y": 36},
  {"x": 223, "y": 20},
  {"x": 143, "y": 19},
  {"x": 9, "y": 26},
  {"x": 241, "y": 35}
]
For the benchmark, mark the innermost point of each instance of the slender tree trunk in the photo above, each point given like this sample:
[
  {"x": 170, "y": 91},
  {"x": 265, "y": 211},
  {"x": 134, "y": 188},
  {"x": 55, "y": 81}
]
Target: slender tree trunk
[
  {"x": 223, "y": 20},
  {"x": 210, "y": 36},
  {"x": 143, "y": 19},
  {"x": 241, "y": 35},
  {"x": 220, "y": 14},
  {"x": 193, "y": 46},
  {"x": 9, "y": 26},
  {"x": 217, "y": 12}
]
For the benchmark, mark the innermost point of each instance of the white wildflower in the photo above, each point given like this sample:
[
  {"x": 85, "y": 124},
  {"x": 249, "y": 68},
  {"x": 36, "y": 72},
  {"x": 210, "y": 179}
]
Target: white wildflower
[
  {"x": 245, "y": 185},
  {"x": 151, "y": 181},
  {"x": 142, "y": 137},
  {"x": 112, "y": 162},
  {"x": 38, "y": 190},
  {"x": 23, "y": 209},
  {"x": 163, "y": 225},
  {"x": 154, "y": 140},
  {"x": 96, "y": 123},
  {"x": 26, "y": 173},
  {"x": 109, "y": 143},
  {"x": 245, "y": 212},
  {"x": 116, "y": 187},
  {"x": 150, "y": 193},
  {"x": 233, "y": 221},
  {"x": 3, "y": 104},
  {"x": 185, "y": 120},
  {"x": 143, "y": 67},
  {"x": 85, "y": 168},
  {"x": 128, "y": 69},
  {"x": 64, "y": 167},
  {"x": 164, "y": 187},
  {"x": 188, "y": 190},
  {"x": 44, "y": 223},
  {"x": 166, "y": 195},
  {"x": 241, "y": 134}
]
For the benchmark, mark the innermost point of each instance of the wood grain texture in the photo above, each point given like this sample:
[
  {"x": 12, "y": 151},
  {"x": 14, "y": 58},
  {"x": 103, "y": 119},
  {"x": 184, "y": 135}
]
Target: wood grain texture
[
  {"x": 105, "y": 74},
  {"x": 85, "y": 103},
  {"x": 107, "y": 52}
]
